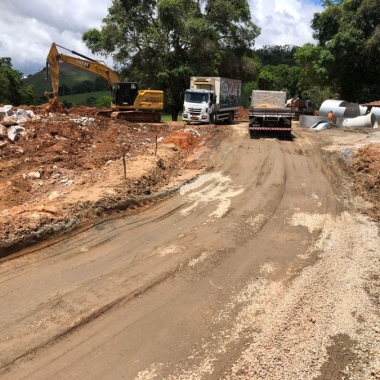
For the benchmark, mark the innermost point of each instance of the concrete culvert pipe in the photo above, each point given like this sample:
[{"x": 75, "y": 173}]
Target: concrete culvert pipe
[
  {"x": 367, "y": 121},
  {"x": 339, "y": 108},
  {"x": 307, "y": 121},
  {"x": 376, "y": 111}
]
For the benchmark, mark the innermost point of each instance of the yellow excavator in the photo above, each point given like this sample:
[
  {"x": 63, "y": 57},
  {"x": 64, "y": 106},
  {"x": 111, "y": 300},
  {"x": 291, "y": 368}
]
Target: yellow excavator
[{"x": 128, "y": 102}]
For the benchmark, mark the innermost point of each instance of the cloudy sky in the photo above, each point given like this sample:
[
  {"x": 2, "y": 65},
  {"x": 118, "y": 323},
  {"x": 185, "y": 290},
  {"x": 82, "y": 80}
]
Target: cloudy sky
[{"x": 28, "y": 27}]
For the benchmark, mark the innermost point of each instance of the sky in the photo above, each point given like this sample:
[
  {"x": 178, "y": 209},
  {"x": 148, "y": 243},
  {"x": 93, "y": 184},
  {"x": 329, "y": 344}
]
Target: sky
[{"x": 28, "y": 27}]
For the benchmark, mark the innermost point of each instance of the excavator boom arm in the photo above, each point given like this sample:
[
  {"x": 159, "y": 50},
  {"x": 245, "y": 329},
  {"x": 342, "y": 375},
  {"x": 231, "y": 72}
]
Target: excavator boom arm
[{"x": 83, "y": 62}]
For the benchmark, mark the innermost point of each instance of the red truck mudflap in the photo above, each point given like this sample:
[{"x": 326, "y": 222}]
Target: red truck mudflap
[{"x": 253, "y": 128}]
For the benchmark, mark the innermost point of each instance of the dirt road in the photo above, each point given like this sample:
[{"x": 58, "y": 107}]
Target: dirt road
[{"x": 265, "y": 267}]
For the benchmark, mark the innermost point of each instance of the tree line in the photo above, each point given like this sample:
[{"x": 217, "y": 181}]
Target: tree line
[
  {"x": 99, "y": 84},
  {"x": 160, "y": 44}
]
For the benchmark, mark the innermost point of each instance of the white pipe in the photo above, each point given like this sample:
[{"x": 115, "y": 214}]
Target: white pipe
[
  {"x": 376, "y": 111},
  {"x": 367, "y": 121}
]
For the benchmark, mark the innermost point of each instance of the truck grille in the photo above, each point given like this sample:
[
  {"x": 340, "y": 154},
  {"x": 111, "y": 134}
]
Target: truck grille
[{"x": 195, "y": 111}]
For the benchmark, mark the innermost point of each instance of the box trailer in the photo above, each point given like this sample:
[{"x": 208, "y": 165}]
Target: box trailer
[{"x": 211, "y": 100}]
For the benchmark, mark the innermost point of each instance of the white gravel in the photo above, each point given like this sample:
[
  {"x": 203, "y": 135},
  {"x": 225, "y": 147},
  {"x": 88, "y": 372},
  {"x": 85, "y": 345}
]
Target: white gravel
[{"x": 325, "y": 300}]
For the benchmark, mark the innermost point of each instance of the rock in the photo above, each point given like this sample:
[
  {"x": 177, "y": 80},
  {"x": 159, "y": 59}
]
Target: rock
[
  {"x": 34, "y": 175},
  {"x": 22, "y": 119},
  {"x": 8, "y": 110},
  {"x": 56, "y": 175},
  {"x": 30, "y": 114},
  {"x": 3, "y": 144},
  {"x": 8, "y": 121},
  {"x": 84, "y": 120},
  {"x": 21, "y": 112},
  {"x": 14, "y": 131},
  {"x": 108, "y": 162},
  {"x": 2, "y": 114},
  {"x": 3, "y": 131}
]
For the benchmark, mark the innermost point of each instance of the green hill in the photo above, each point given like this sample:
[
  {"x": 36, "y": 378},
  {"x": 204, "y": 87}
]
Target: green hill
[
  {"x": 82, "y": 98},
  {"x": 69, "y": 75}
]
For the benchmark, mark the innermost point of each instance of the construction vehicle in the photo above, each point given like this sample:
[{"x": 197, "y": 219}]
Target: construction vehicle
[
  {"x": 268, "y": 116},
  {"x": 300, "y": 107},
  {"x": 211, "y": 100},
  {"x": 128, "y": 102}
]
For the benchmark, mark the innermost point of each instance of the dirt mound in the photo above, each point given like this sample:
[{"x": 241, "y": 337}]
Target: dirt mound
[
  {"x": 55, "y": 106},
  {"x": 71, "y": 162},
  {"x": 184, "y": 140},
  {"x": 242, "y": 114},
  {"x": 366, "y": 169}
]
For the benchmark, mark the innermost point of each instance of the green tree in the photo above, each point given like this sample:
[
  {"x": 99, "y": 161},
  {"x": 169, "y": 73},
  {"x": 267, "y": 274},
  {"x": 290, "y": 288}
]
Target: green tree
[
  {"x": 348, "y": 59},
  {"x": 276, "y": 55},
  {"x": 90, "y": 102},
  {"x": 162, "y": 43},
  {"x": 12, "y": 90},
  {"x": 103, "y": 101}
]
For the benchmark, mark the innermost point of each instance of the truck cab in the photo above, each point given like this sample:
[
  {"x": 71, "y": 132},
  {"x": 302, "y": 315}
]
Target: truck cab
[
  {"x": 211, "y": 100},
  {"x": 198, "y": 105}
]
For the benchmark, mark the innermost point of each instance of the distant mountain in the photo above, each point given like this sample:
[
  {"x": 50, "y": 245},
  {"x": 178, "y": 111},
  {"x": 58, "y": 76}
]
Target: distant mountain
[{"x": 69, "y": 75}]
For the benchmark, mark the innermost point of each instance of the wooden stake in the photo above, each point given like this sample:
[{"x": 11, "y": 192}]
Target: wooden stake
[{"x": 124, "y": 164}]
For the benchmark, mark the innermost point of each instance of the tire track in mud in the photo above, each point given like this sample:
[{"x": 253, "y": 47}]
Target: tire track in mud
[
  {"x": 242, "y": 294},
  {"x": 261, "y": 289},
  {"x": 100, "y": 311}
]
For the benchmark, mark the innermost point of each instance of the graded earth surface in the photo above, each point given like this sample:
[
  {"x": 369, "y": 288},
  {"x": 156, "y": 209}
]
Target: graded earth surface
[{"x": 207, "y": 256}]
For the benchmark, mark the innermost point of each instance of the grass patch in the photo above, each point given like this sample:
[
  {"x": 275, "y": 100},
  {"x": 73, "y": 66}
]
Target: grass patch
[{"x": 81, "y": 99}]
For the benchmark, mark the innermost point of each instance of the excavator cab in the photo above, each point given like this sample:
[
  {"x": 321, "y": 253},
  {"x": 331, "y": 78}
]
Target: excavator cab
[{"x": 124, "y": 93}]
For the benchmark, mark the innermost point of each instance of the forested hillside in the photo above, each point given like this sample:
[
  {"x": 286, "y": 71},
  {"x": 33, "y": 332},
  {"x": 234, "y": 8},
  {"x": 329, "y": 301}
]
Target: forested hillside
[
  {"x": 161, "y": 46},
  {"x": 72, "y": 81}
]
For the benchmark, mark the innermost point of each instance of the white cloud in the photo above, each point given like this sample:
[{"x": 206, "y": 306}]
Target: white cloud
[
  {"x": 28, "y": 27},
  {"x": 283, "y": 22}
]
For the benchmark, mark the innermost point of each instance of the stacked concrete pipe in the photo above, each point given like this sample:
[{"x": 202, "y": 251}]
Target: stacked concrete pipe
[
  {"x": 376, "y": 111},
  {"x": 367, "y": 121},
  {"x": 339, "y": 108}
]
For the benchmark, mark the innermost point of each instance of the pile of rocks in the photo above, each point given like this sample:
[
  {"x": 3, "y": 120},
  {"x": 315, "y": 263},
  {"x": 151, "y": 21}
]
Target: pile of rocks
[{"x": 11, "y": 123}]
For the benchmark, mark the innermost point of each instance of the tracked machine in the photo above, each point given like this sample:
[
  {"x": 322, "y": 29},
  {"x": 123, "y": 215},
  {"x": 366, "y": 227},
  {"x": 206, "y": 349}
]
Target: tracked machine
[{"x": 128, "y": 101}]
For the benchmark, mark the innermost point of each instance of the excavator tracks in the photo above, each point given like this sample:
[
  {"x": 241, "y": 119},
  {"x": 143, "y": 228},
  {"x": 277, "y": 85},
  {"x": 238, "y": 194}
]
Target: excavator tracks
[{"x": 134, "y": 116}]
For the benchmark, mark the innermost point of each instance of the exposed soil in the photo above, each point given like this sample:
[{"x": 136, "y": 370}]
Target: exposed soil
[
  {"x": 263, "y": 267},
  {"x": 68, "y": 167},
  {"x": 366, "y": 169}
]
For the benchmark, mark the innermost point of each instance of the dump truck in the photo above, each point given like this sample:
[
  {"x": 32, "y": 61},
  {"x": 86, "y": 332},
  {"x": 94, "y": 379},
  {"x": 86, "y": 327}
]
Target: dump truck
[
  {"x": 128, "y": 101},
  {"x": 269, "y": 116},
  {"x": 211, "y": 100}
]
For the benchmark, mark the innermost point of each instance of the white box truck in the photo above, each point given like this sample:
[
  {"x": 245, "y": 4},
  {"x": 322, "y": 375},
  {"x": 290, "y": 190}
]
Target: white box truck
[{"x": 211, "y": 100}]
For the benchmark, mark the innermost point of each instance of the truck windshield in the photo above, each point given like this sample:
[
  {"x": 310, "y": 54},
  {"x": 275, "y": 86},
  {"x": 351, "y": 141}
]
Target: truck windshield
[{"x": 192, "y": 97}]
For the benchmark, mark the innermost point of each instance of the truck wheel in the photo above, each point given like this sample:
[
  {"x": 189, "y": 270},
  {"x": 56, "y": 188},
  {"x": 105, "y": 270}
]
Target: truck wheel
[{"x": 231, "y": 117}]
